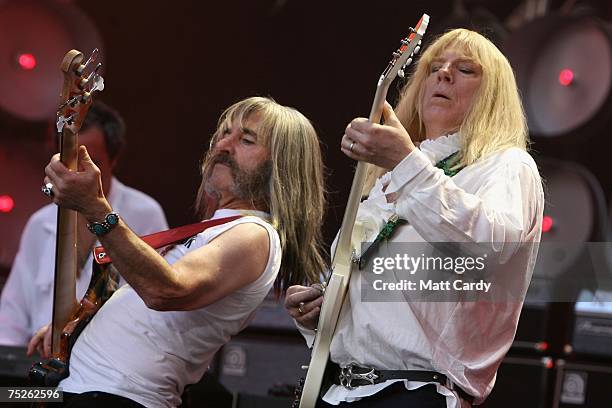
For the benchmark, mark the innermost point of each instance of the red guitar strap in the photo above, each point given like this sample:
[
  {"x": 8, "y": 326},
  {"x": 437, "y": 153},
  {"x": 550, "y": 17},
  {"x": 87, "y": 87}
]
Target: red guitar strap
[{"x": 171, "y": 236}]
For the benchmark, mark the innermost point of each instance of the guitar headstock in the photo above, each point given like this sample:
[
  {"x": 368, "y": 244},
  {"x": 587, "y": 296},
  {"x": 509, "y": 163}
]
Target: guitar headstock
[
  {"x": 81, "y": 80},
  {"x": 409, "y": 47}
]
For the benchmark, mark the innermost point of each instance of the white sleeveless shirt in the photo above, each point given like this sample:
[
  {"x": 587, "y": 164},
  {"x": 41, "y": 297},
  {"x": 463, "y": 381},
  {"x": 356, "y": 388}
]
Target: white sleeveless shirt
[{"x": 150, "y": 356}]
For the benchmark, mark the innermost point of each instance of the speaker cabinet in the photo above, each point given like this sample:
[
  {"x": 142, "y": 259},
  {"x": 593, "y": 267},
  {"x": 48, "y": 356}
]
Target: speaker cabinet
[
  {"x": 260, "y": 365},
  {"x": 582, "y": 385},
  {"x": 523, "y": 382}
]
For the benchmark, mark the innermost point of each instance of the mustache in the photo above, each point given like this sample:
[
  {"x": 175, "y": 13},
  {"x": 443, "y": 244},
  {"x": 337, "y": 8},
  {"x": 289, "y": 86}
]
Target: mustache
[
  {"x": 220, "y": 158},
  {"x": 224, "y": 158}
]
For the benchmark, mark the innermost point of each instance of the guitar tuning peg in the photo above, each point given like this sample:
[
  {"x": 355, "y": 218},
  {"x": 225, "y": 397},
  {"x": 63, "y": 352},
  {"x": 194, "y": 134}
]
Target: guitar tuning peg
[
  {"x": 416, "y": 49},
  {"x": 62, "y": 121},
  {"x": 97, "y": 68},
  {"x": 59, "y": 125},
  {"x": 72, "y": 102},
  {"x": 408, "y": 62},
  {"x": 98, "y": 84},
  {"x": 81, "y": 68},
  {"x": 401, "y": 74}
]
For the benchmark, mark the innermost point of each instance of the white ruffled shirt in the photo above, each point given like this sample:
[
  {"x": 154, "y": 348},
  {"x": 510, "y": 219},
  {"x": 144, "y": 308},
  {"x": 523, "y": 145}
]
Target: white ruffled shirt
[{"x": 497, "y": 202}]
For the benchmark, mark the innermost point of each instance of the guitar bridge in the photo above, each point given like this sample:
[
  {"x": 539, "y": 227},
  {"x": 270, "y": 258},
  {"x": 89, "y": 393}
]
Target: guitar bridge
[{"x": 48, "y": 373}]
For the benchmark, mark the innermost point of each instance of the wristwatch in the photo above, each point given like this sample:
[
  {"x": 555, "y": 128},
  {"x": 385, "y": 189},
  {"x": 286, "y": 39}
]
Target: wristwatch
[{"x": 101, "y": 228}]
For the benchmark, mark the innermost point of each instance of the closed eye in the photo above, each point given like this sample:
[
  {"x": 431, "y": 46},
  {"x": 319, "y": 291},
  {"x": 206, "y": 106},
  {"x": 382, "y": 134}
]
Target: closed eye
[{"x": 248, "y": 136}]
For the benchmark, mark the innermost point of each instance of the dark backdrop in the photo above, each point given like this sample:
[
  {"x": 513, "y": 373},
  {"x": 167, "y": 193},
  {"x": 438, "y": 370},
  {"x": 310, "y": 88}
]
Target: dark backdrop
[{"x": 172, "y": 67}]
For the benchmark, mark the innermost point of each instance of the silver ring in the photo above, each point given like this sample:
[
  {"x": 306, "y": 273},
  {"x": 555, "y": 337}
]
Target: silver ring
[
  {"x": 301, "y": 308},
  {"x": 351, "y": 146},
  {"x": 47, "y": 190}
]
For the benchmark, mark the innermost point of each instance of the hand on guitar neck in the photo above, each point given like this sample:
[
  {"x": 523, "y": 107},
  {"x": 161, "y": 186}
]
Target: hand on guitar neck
[
  {"x": 79, "y": 190},
  {"x": 382, "y": 145},
  {"x": 304, "y": 304}
]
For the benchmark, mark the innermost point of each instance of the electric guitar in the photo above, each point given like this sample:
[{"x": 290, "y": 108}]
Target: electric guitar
[
  {"x": 343, "y": 258},
  {"x": 81, "y": 80}
]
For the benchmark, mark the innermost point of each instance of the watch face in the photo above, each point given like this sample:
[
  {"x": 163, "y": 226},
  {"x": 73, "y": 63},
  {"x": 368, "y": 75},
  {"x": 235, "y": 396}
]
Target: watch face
[
  {"x": 98, "y": 229},
  {"x": 112, "y": 219}
]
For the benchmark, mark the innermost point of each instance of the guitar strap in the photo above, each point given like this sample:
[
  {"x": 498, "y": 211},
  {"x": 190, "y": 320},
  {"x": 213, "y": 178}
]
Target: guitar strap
[{"x": 168, "y": 237}]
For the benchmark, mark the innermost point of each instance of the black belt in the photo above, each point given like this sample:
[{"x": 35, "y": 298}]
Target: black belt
[{"x": 353, "y": 376}]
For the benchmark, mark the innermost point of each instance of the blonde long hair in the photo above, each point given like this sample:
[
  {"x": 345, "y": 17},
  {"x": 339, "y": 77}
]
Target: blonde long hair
[
  {"x": 296, "y": 195},
  {"x": 496, "y": 119}
]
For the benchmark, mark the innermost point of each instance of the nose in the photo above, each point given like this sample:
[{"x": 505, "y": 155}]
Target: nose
[
  {"x": 444, "y": 73},
  {"x": 225, "y": 143}
]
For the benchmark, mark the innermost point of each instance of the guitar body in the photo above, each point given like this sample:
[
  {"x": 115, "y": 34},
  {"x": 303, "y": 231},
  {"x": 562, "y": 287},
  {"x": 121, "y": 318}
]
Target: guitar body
[
  {"x": 335, "y": 290},
  {"x": 343, "y": 258},
  {"x": 104, "y": 281}
]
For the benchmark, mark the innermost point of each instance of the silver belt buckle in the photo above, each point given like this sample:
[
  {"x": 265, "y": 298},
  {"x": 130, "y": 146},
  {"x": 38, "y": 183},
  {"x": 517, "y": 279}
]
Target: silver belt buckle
[{"x": 347, "y": 376}]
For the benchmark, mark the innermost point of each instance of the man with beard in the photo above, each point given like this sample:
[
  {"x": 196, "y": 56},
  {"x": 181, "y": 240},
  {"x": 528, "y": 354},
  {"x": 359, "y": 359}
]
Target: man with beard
[{"x": 159, "y": 332}]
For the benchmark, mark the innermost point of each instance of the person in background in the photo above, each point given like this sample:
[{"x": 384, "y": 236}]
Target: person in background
[{"x": 27, "y": 298}]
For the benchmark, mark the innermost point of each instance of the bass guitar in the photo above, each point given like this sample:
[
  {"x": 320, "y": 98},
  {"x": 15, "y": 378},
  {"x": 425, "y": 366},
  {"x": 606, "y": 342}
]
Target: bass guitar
[
  {"x": 81, "y": 81},
  {"x": 343, "y": 258}
]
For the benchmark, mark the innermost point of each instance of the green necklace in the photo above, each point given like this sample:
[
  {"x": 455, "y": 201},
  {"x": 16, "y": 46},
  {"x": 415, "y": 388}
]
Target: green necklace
[
  {"x": 384, "y": 235},
  {"x": 448, "y": 162},
  {"x": 389, "y": 228}
]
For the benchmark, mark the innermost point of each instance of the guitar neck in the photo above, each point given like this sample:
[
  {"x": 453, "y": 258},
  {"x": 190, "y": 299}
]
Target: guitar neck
[
  {"x": 69, "y": 149},
  {"x": 64, "y": 293},
  {"x": 343, "y": 249}
]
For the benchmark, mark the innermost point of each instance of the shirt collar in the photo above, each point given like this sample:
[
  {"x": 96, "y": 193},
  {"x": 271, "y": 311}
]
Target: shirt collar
[
  {"x": 441, "y": 147},
  {"x": 227, "y": 212}
]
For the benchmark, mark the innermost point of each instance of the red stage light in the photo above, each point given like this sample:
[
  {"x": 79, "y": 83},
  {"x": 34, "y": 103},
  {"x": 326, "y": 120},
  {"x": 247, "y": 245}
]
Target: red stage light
[
  {"x": 547, "y": 223},
  {"x": 27, "y": 61},
  {"x": 6, "y": 203},
  {"x": 566, "y": 77}
]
